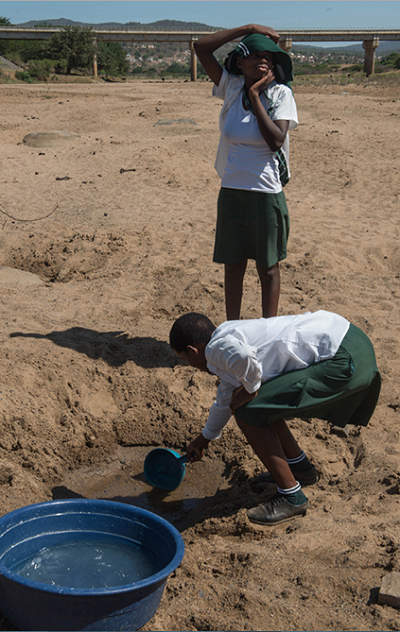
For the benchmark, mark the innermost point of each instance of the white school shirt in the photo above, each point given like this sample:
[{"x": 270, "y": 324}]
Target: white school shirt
[
  {"x": 244, "y": 160},
  {"x": 250, "y": 352}
]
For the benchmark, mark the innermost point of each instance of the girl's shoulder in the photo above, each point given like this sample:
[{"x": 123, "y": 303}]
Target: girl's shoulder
[
  {"x": 280, "y": 89},
  {"x": 227, "y": 84},
  {"x": 280, "y": 93}
]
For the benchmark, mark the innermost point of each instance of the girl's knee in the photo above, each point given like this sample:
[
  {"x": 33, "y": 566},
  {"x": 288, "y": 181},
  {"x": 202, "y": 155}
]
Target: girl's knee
[
  {"x": 268, "y": 273},
  {"x": 233, "y": 270}
]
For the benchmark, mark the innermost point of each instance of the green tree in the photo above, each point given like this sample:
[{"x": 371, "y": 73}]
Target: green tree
[
  {"x": 73, "y": 46},
  {"x": 137, "y": 70},
  {"x": 392, "y": 60},
  {"x": 28, "y": 50},
  {"x": 24, "y": 51},
  {"x": 177, "y": 68},
  {"x": 111, "y": 59},
  {"x": 4, "y": 44}
]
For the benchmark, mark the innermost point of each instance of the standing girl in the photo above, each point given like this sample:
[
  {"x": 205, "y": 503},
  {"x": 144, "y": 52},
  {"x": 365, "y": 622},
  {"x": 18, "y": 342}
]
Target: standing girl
[{"x": 258, "y": 111}]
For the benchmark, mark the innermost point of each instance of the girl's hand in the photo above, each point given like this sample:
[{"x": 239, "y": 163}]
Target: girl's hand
[
  {"x": 239, "y": 397},
  {"x": 267, "y": 31},
  {"x": 195, "y": 451},
  {"x": 262, "y": 84}
]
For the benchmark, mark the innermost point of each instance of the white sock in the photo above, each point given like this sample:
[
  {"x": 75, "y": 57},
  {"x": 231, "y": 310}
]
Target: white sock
[
  {"x": 291, "y": 490},
  {"x": 298, "y": 459}
]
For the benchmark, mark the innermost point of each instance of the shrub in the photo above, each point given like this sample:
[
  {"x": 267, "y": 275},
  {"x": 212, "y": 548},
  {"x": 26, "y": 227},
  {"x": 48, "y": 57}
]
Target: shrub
[
  {"x": 177, "y": 69},
  {"x": 392, "y": 60},
  {"x": 305, "y": 69},
  {"x": 60, "y": 66},
  {"x": 137, "y": 70},
  {"x": 37, "y": 69},
  {"x": 355, "y": 68},
  {"x": 321, "y": 66},
  {"x": 40, "y": 69},
  {"x": 23, "y": 75}
]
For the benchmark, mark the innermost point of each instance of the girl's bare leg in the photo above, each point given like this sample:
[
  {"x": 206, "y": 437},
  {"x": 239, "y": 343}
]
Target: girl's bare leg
[
  {"x": 270, "y": 279},
  {"x": 234, "y": 274},
  {"x": 289, "y": 501},
  {"x": 267, "y": 446},
  {"x": 289, "y": 444}
]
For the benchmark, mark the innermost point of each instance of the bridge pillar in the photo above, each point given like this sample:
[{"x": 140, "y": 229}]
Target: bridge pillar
[
  {"x": 285, "y": 43},
  {"x": 369, "y": 56},
  {"x": 193, "y": 62},
  {"x": 95, "y": 57}
]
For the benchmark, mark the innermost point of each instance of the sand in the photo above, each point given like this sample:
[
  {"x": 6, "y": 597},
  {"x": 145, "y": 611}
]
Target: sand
[{"x": 124, "y": 247}]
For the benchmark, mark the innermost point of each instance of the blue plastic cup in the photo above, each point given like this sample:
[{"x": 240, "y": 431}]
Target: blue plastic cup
[{"x": 165, "y": 468}]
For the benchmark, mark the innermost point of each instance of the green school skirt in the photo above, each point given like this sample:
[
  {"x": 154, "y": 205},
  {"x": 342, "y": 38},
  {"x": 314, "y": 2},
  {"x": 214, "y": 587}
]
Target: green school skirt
[
  {"x": 342, "y": 390},
  {"x": 251, "y": 225}
]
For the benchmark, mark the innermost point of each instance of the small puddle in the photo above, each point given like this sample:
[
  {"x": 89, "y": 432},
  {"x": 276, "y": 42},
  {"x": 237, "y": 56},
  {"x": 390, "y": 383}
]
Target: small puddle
[{"x": 122, "y": 479}]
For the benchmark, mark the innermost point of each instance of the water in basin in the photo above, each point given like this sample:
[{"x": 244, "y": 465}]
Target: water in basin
[{"x": 90, "y": 560}]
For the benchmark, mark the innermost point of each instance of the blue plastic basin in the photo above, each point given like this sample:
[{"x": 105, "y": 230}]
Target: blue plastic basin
[{"x": 33, "y": 605}]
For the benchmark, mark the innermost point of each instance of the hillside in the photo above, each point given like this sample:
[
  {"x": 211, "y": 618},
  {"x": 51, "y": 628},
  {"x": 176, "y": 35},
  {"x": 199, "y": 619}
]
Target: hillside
[
  {"x": 384, "y": 48},
  {"x": 161, "y": 25}
]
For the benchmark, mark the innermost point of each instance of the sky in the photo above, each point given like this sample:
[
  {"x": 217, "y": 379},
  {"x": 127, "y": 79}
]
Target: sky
[{"x": 282, "y": 14}]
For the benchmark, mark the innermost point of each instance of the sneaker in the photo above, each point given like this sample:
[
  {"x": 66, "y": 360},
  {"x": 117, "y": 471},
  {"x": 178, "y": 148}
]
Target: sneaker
[
  {"x": 277, "y": 510},
  {"x": 308, "y": 477}
]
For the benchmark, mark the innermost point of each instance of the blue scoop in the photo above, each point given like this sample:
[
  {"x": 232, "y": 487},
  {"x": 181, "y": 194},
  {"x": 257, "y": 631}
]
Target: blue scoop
[{"x": 164, "y": 468}]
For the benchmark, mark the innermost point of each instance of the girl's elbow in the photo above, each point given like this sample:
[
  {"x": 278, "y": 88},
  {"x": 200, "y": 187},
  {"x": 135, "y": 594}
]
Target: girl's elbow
[
  {"x": 279, "y": 142},
  {"x": 273, "y": 141},
  {"x": 275, "y": 146},
  {"x": 198, "y": 46}
]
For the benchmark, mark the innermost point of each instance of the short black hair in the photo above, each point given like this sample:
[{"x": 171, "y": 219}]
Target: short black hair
[{"x": 190, "y": 329}]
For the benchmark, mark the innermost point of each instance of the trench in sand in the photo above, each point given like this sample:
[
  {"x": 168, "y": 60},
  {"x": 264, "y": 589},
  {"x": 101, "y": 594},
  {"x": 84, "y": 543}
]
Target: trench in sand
[{"x": 122, "y": 479}]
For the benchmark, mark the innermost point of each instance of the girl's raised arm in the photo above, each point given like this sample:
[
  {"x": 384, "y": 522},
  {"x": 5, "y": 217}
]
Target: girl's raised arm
[{"x": 206, "y": 46}]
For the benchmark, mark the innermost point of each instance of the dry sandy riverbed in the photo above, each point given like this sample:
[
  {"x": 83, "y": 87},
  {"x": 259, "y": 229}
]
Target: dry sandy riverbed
[{"x": 88, "y": 379}]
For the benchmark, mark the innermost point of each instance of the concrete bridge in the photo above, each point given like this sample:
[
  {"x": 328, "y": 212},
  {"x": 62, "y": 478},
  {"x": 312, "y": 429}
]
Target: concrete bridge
[{"x": 370, "y": 39}]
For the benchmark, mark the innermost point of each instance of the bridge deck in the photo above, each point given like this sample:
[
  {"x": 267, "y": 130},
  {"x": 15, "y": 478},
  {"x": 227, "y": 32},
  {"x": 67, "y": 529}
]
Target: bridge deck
[
  {"x": 370, "y": 39},
  {"x": 296, "y": 35}
]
